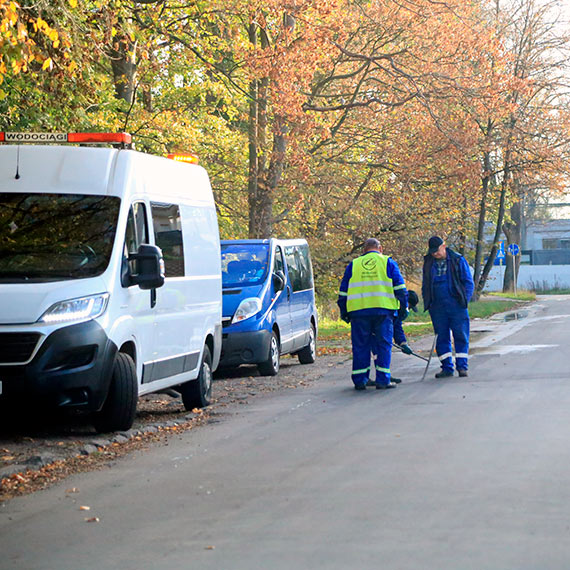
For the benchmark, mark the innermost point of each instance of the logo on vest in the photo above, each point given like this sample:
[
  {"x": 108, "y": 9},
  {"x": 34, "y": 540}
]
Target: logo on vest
[{"x": 370, "y": 263}]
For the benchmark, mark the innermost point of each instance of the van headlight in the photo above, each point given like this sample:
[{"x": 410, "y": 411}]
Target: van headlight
[
  {"x": 81, "y": 309},
  {"x": 247, "y": 308}
]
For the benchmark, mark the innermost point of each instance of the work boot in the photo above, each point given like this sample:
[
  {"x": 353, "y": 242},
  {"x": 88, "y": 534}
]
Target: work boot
[
  {"x": 360, "y": 386},
  {"x": 463, "y": 373},
  {"x": 444, "y": 374},
  {"x": 395, "y": 380},
  {"x": 385, "y": 386}
]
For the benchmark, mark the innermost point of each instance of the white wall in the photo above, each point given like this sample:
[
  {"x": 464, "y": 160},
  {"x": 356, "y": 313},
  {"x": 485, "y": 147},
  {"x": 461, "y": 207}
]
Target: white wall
[{"x": 532, "y": 276}]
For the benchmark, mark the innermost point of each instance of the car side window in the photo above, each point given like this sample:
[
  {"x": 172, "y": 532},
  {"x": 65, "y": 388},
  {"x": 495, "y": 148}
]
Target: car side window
[
  {"x": 167, "y": 225},
  {"x": 137, "y": 230},
  {"x": 305, "y": 267},
  {"x": 299, "y": 266}
]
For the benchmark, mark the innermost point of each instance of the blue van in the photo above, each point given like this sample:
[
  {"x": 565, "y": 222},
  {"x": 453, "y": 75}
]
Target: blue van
[{"x": 268, "y": 303}]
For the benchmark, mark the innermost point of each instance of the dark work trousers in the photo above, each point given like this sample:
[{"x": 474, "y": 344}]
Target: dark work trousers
[
  {"x": 399, "y": 335},
  {"x": 448, "y": 316},
  {"x": 371, "y": 334}
]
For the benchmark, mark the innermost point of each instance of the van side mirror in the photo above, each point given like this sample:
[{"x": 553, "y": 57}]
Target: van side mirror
[
  {"x": 149, "y": 267},
  {"x": 279, "y": 280}
]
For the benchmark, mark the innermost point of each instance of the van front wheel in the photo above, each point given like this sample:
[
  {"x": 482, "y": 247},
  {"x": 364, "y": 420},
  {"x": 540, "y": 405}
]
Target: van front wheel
[
  {"x": 198, "y": 393},
  {"x": 271, "y": 366},
  {"x": 119, "y": 410},
  {"x": 308, "y": 354}
]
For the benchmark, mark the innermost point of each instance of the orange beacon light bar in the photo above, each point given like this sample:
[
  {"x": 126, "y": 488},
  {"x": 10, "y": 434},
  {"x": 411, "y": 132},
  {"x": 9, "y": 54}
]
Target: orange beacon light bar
[
  {"x": 189, "y": 158},
  {"x": 93, "y": 138}
]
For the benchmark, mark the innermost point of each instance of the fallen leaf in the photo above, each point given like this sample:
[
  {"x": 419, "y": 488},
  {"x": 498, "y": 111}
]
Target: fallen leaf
[
  {"x": 72, "y": 490},
  {"x": 92, "y": 519},
  {"x": 209, "y": 548},
  {"x": 84, "y": 508},
  {"x": 10, "y": 457}
]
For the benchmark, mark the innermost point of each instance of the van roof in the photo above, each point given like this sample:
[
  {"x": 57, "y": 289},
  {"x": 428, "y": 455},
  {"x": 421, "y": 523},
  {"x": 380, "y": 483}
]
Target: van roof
[
  {"x": 99, "y": 171},
  {"x": 298, "y": 241}
]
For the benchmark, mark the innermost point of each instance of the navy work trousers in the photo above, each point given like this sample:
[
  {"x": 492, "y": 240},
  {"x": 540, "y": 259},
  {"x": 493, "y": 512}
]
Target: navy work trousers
[
  {"x": 371, "y": 334},
  {"x": 450, "y": 317}
]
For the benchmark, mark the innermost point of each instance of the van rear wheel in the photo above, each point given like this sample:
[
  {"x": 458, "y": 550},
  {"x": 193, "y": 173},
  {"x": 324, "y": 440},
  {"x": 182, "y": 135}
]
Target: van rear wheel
[
  {"x": 271, "y": 366},
  {"x": 119, "y": 410},
  {"x": 308, "y": 354},
  {"x": 198, "y": 393}
]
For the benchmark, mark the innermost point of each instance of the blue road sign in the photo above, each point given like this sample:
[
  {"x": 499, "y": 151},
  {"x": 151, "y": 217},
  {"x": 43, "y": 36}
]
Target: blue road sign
[
  {"x": 513, "y": 249},
  {"x": 501, "y": 251}
]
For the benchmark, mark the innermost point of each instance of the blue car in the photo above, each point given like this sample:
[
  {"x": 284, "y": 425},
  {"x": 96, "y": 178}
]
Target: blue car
[{"x": 268, "y": 304}]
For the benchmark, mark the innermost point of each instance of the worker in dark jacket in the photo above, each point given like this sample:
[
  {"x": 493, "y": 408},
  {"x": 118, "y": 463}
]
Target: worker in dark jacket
[
  {"x": 371, "y": 291},
  {"x": 447, "y": 287}
]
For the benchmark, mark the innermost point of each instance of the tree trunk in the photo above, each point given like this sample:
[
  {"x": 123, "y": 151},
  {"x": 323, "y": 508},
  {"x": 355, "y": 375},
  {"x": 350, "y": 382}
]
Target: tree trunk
[
  {"x": 252, "y": 189},
  {"x": 498, "y": 228},
  {"x": 513, "y": 234},
  {"x": 481, "y": 223},
  {"x": 264, "y": 178},
  {"x": 264, "y": 207},
  {"x": 122, "y": 56}
]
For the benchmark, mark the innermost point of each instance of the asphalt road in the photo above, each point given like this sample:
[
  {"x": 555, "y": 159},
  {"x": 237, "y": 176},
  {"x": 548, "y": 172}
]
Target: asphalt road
[{"x": 443, "y": 474}]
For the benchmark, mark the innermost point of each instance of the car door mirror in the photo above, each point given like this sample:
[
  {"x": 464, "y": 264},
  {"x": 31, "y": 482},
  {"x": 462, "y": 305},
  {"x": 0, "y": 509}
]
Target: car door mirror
[
  {"x": 149, "y": 267},
  {"x": 279, "y": 280}
]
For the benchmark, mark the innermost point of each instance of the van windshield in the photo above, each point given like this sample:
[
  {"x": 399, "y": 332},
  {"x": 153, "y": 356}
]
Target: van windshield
[
  {"x": 51, "y": 237},
  {"x": 244, "y": 264}
]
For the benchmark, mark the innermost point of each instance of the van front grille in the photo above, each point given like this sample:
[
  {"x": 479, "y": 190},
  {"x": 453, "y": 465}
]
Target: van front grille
[{"x": 17, "y": 347}]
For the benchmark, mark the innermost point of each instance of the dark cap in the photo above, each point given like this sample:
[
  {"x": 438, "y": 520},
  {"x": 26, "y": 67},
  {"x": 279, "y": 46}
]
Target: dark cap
[
  {"x": 413, "y": 300},
  {"x": 434, "y": 244}
]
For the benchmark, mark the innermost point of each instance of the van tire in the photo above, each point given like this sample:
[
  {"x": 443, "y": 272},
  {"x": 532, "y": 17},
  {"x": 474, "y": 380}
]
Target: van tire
[
  {"x": 197, "y": 393},
  {"x": 119, "y": 410},
  {"x": 308, "y": 354},
  {"x": 271, "y": 366}
]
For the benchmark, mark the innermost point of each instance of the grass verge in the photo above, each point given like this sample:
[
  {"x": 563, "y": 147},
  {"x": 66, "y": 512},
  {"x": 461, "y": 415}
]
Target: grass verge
[
  {"x": 521, "y": 295},
  {"x": 332, "y": 330}
]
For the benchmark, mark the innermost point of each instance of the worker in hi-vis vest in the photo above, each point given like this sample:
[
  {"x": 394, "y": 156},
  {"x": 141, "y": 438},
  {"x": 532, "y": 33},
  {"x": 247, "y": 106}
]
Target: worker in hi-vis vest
[{"x": 372, "y": 292}]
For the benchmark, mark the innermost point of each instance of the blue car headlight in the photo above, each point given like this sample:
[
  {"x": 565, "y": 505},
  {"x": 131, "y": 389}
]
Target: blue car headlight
[{"x": 247, "y": 308}]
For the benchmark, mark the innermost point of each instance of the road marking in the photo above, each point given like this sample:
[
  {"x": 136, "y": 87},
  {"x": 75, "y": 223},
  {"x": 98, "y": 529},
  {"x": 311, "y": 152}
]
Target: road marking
[
  {"x": 300, "y": 405},
  {"x": 503, "y": 349}
]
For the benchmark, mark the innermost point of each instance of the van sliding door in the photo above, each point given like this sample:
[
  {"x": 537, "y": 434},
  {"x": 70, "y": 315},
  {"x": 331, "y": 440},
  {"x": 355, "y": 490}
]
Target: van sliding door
[{"x": 301, "y": 277}]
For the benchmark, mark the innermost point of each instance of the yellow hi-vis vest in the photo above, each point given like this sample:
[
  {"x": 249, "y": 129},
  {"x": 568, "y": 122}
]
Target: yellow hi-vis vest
[{"x": 370, "y": 287}]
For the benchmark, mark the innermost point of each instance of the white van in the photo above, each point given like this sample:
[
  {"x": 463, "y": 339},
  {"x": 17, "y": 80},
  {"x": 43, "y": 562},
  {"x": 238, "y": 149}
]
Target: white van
[{"x": 110, "y": 279}]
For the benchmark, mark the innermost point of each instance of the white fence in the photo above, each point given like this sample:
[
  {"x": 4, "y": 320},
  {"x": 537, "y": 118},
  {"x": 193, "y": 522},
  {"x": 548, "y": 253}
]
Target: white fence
[{"x": 531, "y": 277}]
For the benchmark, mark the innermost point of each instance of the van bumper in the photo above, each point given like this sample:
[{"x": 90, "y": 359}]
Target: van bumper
[
  {"x": 245, "y": 347},
  {"x": 72, "y": 369}
]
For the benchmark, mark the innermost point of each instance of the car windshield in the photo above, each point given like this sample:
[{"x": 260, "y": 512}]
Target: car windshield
[
  {"x": 244, "y": 264},
  {"x": 51, "y": 237}
]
